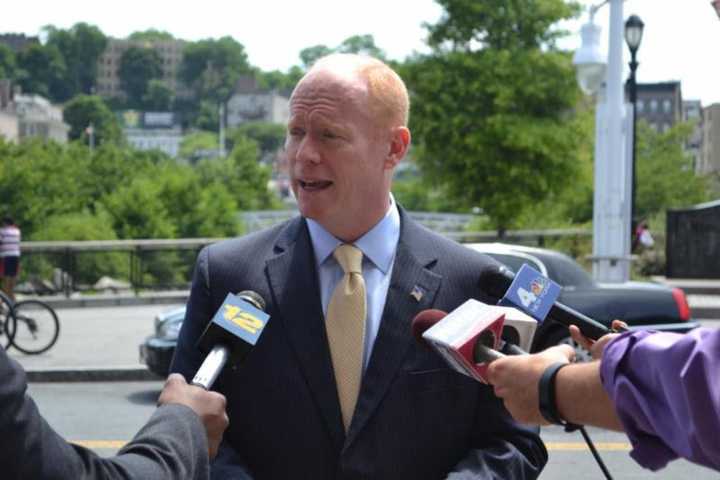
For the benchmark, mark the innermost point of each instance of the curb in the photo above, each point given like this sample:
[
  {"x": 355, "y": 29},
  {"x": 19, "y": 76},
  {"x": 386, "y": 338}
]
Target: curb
[
  {"x": 111, "y": 374},
  {"x": 59, "y": 303}
]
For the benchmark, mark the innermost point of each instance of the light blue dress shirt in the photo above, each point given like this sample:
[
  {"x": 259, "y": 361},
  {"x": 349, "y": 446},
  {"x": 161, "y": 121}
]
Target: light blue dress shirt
[{"x": 378, "y": 246}]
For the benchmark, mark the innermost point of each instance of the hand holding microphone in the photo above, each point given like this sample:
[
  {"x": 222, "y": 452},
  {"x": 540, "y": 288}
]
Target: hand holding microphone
[{"x": 233, "y": 332}]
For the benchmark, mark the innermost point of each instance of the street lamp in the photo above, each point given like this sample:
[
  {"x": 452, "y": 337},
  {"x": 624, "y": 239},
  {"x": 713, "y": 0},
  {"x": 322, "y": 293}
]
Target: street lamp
[
  {"x": 633, "y": 36},
  {"x": 716, "y": 5},
  {"x": 588, "y": 60}
]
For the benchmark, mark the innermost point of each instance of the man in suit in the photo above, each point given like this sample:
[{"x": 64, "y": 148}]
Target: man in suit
[
  {"x": 177, "y": 442},
  {"x": 332, "y": 391}
]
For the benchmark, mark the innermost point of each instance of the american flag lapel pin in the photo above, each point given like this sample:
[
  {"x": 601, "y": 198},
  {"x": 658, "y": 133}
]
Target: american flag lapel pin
[{"x": 417, "y": 293}]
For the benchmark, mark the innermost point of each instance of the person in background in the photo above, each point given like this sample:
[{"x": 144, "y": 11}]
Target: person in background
[{"x": 9, "y": 255}]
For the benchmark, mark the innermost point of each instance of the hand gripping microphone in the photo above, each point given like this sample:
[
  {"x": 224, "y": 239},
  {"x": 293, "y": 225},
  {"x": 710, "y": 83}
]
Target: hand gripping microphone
[
  {"x": 233, "y": 332},
  {"x": 526, "y": 291}
]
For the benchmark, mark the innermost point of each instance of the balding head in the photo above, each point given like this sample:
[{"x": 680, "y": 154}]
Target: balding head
[{"x": 387, "y": 94}]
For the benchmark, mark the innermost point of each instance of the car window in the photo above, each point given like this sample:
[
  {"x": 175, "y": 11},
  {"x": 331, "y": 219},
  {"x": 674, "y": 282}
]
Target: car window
[
  {"x": 512, "y": 262},
  {"x": 565, "y": 271}
]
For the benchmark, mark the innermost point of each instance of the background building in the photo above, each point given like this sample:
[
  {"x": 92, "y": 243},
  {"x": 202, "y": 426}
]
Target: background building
[
  {"x": 659, "y": 104},
  {"x": 17, "y": 41},
  {"x": 692, "y": 112},
  {"x": 152, "y": 131},
  {"x": 250, "y": 104},
  {"x": 170, "y": 51},
  {"x": 38, "y": 118},
  {"x": 711, "y": 138}
]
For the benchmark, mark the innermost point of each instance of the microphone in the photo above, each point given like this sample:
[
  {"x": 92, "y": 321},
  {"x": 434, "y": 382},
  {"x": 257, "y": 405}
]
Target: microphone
[
  {"x": 468, "y": 338},
  {"x": 501, "y": 283},
  {"x": 233, "y": 332}
]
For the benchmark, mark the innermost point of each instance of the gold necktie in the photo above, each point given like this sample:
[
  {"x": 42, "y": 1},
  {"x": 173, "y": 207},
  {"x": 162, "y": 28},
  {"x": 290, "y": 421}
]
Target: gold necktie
[{"x": 345, "y": 325}]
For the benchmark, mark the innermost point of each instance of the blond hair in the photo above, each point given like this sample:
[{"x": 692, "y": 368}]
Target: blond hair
[{"x": 387, "y": 92}]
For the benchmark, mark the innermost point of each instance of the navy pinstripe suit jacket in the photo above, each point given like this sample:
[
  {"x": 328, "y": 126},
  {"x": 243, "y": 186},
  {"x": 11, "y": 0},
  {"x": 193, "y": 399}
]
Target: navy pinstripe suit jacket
[{"x": 414, "y": 419}]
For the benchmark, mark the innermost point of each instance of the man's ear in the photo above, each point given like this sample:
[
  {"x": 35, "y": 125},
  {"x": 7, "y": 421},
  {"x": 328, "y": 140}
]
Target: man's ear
[{"x": 399, "y": 144}]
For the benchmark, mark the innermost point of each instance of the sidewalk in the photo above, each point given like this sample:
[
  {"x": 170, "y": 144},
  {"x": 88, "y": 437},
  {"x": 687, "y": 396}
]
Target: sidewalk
[{"x": 98, "y": 340}]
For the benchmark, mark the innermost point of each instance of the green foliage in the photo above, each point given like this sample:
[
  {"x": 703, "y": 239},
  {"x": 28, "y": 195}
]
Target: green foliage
[
  {"x": 269, "y": 136},
  {"x": 151, "y": 35},
  {"x": 42, "y": 71},
  {"x": 8, "y": 65},
  {"x": 494, "y": 123},
  {"x": 212, "y": 67},
  {"x": 310, "y": 55},
  {"x": 85, "y": 110},
  {"x": 193, "y": 145},
  {"x": 158, "y": 97},
  {"x": 509, "y": 24},
  {"x": 138, "y": 67},
  {"x": 80, "y": 48},
  {"x": 361, "y": 44},
  {"x": 84, "y": 226},
  {"x": 277, "y": 80},
  {"x": 665, "y": 175}
]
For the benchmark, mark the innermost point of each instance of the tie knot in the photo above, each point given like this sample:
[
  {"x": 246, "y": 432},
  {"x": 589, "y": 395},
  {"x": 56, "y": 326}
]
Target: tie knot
[{"x": 349, "y": 257}]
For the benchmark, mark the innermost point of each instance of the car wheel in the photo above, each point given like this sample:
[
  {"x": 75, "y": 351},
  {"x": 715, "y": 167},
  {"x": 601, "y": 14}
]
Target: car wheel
[{"x": 562, "y": 337}]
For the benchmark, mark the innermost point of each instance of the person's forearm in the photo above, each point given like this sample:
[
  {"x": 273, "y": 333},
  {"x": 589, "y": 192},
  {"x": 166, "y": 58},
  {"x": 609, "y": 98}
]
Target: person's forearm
[{"x": 581, "y": 398}]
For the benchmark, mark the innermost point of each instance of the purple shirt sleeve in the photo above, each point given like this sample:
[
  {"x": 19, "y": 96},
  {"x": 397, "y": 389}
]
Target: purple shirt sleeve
[{"x": 666, "y": 390}]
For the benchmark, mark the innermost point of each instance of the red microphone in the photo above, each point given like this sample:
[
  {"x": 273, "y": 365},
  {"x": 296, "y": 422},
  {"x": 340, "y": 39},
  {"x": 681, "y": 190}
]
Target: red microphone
[{"x": 467, "y": 341}]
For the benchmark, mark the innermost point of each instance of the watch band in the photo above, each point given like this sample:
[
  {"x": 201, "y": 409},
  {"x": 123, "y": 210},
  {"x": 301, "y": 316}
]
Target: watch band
[{"x": 547, "y": 400}]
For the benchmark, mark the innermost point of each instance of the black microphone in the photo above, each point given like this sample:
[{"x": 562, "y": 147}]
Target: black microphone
[
  {"x": 495, "y": 281},
  {"x": 233, "y": 332}
]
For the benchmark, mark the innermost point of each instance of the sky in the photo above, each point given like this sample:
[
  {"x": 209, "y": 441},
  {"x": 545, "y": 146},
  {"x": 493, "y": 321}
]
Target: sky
[{"x": 681, "y": 40}]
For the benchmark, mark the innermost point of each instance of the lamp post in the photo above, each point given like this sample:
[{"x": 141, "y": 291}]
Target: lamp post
[
  {"x": 716, "y": 6},
  {"x": 611, "y": 202},
  {"x": 633, "y": 36}
]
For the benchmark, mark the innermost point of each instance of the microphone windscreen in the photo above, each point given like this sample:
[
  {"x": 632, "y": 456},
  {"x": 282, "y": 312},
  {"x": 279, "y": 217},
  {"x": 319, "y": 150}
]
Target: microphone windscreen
[
  {"x": 495, "y": 280},
  {"x": 425, "y": 320}
]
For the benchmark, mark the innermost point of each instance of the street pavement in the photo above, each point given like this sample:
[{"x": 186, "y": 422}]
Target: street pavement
[{"x": 100, "y": 335}]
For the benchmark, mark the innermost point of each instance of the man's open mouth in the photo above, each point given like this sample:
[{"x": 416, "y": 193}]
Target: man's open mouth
[{"x": 314, "y": 185}]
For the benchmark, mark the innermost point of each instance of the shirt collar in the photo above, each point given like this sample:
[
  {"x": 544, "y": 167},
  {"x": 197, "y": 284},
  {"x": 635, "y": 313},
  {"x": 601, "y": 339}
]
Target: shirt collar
[{"x": 378, "y": 244}]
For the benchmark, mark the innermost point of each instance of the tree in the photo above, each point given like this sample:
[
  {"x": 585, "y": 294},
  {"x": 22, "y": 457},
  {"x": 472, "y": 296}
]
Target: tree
[
  {"x": 281, "y": 81},
  {"x": 8, "y": 65},
  {"x": 361, "y": 44},
  {"x": 80, "y": 47},
  {"x": 492, "y": 112},
  {"x": 158, "y": 97},
  {"x": 138, "y": 67},
  {"x": 310, "y": 55},
  {"x": 269, "y": 136},
  {"x": 85, "y": 110},
  {"x": 193, "y": 144},
  {"x": 212, "y": 67},
  {"x": 665, "y": 175},
  {"x": 42, "y": 71},
  {"x": 151, "y": 35}
]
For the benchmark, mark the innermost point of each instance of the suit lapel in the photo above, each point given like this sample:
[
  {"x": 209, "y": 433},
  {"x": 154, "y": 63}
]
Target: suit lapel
[
  {"x": 412, "y": 288},
  {"x": 296, "y": 293}
]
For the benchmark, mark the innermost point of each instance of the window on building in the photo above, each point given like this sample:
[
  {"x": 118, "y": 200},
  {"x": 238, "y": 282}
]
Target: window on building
[
  {"x": 639, "y": 106},
  {"x": 667, "y": 105},
  {"x": 653, "y": 105}
]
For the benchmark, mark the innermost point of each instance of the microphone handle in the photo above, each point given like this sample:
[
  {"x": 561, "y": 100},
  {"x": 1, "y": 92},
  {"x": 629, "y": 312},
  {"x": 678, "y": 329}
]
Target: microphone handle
[
  {"x": 567, "y": 316},
  {"x": 211, "y": 367}
]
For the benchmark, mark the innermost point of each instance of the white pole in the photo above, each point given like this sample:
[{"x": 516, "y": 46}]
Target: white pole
[{"x": 611, "y": 216}]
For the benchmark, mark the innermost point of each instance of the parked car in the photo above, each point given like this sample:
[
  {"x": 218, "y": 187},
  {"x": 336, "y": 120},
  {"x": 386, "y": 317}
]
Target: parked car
[{"x": 640, "y": 304}]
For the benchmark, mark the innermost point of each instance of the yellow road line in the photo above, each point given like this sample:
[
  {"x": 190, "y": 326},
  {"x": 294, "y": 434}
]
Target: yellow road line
[
  {"x": 551, "y": 446},
  {"x": 600, "y": 446},
  {"x": 100, "y": 443}
]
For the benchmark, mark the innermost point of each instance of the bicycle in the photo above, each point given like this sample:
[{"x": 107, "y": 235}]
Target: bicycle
[
  {"x": 31, "y": 326},
  {"x": 8, "y": 324}
]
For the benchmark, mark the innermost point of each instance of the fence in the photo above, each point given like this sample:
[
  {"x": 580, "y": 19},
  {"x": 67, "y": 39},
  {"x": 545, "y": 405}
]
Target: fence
[{"x": 51, "y": 267}]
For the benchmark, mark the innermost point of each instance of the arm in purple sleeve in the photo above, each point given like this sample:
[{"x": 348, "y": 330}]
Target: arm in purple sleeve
[{"x": 666, "y": 390}]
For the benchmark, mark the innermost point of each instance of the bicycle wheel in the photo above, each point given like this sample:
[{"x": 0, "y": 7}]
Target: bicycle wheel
[
  {"x": 37, "y": 327},
  {"x": 7, "y": 320}
]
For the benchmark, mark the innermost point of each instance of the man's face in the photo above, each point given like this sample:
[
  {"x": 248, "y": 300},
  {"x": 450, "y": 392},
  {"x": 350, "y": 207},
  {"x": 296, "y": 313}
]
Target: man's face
[{"x": 338, "y": 155}]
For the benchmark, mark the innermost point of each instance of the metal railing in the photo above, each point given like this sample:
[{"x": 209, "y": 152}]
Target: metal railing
[{"x": 168, "y": 263}]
